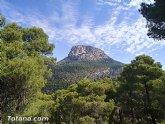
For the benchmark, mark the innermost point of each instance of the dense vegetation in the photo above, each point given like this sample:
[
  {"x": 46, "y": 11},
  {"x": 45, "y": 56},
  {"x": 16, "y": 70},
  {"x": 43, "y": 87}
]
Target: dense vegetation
[
  {"x": 23, "y": 71},
  {"x": 84, "y": 102},
  {"x": 135, "y": 97},
  {"x": 75, "y": 71}
]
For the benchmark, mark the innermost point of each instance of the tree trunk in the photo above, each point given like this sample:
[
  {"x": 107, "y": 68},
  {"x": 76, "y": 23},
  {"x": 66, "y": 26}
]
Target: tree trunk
[
  {"x": 111, "y": 119},
  {"x": 0, "y": 115},
  {"x": 132, "y": 116},
  {"x": 121, "y": 116},
  {"x": 149, "y": 109}
]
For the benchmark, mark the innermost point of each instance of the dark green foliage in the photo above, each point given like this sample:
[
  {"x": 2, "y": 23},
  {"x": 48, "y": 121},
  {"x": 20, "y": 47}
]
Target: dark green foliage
[
  {"x": 54, "y": 85},
  {"x": 36, "y": 40},
  {"x": 138, "y": 93},
  {"x": 155, "y": 16}
]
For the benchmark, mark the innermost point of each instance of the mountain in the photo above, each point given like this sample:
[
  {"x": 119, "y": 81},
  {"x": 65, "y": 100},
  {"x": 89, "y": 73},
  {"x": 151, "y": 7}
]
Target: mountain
[
  {"x": 83, "y": 61},
  {"x": 84, "y": 53}
]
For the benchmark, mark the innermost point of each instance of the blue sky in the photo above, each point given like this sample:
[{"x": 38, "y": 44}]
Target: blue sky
[{"x": 114, "y": 26}]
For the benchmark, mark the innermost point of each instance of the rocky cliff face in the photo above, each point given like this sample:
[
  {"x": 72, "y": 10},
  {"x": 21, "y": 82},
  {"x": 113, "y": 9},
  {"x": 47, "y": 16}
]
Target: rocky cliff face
[{"x": 82, "y": 52}]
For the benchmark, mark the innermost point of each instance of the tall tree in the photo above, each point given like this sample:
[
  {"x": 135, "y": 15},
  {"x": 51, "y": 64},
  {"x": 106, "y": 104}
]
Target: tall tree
[
  {"x": 137, "y": 93},
  {"x": 22, "y": 70},
  {"x": 155, "y": 16}
]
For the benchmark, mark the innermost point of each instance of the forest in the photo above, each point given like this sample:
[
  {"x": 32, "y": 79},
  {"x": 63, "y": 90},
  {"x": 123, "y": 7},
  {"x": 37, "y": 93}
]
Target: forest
[{"x": 136, "y": 96}]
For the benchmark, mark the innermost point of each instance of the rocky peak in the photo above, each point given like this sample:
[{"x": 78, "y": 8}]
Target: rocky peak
[{"x": 82, "y": 52}]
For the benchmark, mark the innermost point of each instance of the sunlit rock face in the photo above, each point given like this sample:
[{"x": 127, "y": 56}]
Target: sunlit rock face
[{"x": 82, "y": 52}]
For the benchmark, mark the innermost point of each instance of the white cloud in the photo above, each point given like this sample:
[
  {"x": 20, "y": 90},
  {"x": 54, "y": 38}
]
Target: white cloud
[
  {"x": 136, "y": 3},
  {"x": 126, "y": 35},
  {"x": 109, "y": 2},
  {"x": 126, "y": 3}
]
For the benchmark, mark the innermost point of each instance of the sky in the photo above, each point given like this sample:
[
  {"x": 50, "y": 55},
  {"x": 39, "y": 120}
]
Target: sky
[{"x": 115, "y": 26}]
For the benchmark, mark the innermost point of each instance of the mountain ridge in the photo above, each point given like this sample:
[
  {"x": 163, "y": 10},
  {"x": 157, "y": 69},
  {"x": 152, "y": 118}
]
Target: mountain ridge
[
  {"x": 83, "y": 61},
  {"x": 85, "y": 53}
]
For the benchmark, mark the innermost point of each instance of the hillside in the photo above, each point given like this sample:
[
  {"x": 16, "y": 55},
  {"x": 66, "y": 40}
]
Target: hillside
[{"x": 83, "y": 61}]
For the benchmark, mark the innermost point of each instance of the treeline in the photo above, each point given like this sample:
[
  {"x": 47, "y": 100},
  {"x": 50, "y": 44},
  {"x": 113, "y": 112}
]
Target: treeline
[{"x": 137, "y": 96}]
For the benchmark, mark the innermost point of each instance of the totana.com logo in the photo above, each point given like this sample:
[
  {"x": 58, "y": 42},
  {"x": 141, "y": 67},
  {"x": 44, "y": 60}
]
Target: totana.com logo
[{"x": 18, "y": 118}]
